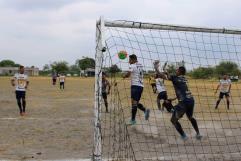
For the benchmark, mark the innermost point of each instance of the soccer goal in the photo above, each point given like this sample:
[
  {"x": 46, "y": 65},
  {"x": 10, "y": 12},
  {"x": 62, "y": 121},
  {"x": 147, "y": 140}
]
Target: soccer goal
[{"x": 208, "y": 54}]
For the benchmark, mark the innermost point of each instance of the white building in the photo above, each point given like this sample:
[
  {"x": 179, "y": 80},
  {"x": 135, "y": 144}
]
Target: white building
[{"x": 12, "y": 70}]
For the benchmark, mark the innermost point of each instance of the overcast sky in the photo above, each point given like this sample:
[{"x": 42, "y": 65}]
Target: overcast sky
[{"x": 37, "y": 32}]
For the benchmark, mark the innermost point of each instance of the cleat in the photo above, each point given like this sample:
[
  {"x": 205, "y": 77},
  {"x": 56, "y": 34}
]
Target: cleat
[
  {"x": 184, "y": 137},
  {"x": 132, "y": 122},
  {"x": 147, "y": 114},
  {"x": 199, "y": 137}
]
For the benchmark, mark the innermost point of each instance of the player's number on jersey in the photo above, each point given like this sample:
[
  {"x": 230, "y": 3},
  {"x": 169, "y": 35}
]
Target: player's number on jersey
[{"x": 21, "y": 83}]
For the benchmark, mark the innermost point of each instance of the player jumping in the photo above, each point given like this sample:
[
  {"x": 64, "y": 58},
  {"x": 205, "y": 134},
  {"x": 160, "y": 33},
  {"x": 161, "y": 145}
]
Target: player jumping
[
  {"x": 136, "y": 74},
  {"x": 185, "y": 101}
]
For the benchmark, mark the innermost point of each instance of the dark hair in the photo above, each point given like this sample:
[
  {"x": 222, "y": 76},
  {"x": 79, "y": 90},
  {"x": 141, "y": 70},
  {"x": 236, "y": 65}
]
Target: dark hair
[
  {"x": 103, "y": 73},
  {"x": 133, "y": 57},
  {"x": 182, "y": 70},
  {"x": 21, "y": 67}
]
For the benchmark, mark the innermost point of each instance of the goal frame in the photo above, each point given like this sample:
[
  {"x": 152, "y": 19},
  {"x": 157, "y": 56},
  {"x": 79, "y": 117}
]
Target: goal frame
[{"x": 100, "y": 49}]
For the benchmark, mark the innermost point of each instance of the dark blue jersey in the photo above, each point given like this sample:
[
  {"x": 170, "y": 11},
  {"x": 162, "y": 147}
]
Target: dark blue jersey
[{"x": 180, "y": 86}]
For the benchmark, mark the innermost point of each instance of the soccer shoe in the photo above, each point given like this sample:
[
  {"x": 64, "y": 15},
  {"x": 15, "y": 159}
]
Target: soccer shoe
[
  {"x": 147, "y": 114},
  {"x": 132, "y": 122},
  {"x": 184, "y": 137},
  {"x": 21, "y": 114},
  {"x": 199, "y": 137}
]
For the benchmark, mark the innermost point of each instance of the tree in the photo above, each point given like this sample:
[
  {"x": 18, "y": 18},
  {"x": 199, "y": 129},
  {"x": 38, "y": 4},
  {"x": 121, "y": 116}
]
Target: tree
[
  {"x": 114, "y": 69},
  {"x": 46, "y": 67},
  {"x": 74, "y": 69},
  {"x": 60, "y": 67},
  {"x": 202, "y": 73},
  {"x": 227, "y": 67},
  {"x": 7, "y": 63},
  {"x": 85, "y": 63},
  {"x": 171, "y": 68}
]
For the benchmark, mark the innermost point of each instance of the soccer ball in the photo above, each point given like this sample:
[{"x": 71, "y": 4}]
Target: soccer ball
[{"x": 122, "y": 55}]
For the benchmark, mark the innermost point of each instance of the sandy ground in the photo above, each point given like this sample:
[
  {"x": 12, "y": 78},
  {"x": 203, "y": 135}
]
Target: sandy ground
[
  {"x": 157, "y": 139},
  {"x": 58, "y": 125}
]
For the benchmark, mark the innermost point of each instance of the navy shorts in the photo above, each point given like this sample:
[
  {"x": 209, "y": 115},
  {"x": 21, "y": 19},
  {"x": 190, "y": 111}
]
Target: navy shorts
[
  {"x": 104, "y": 95},
  {"x": 162, "y": 95},
  {"x": 20, "y": 94},
  {"x": 185, "y": 106},
  {"x": 136, "y": 92},
  {"x": 221, "y": 94}
]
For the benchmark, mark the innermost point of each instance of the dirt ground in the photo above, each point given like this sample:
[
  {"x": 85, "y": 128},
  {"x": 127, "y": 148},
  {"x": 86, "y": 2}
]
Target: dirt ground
[
  {"x": 157, "y": 139},
  {"x": 58, "y": 125}
]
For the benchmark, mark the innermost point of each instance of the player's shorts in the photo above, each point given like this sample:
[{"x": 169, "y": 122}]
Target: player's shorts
[
  {"x": 221, "y": 94},
  {"x": 185, "y": 106},
  {"x": 136, "y": 92},
  {"x": 153, "y": 84},
  {"x": 104, "y": 95},
  {"x": 162, "y": 95},
  {"x": 61, "y": 83},
  {"x": 20, "y": 94}
]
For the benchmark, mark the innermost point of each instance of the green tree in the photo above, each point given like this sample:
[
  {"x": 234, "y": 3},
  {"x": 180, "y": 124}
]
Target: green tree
[
  {"x": 60, "y": 67},
  {"x": 171, "y": 68},
  {"x": 227, "y": 67},
  {"x": 7, "y": 63},
  {"x": 46, "y": 67},
  {"x": 85, "y": 63},
  {"x": 114, "y": 69},
  {"x": 74, "y": 69},
  {"x": 202, "y": 73}
]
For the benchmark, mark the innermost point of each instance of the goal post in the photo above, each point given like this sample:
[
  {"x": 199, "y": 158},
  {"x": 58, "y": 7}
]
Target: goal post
[
  {"x": 206, "y": 53},
  {"x": 97, "y": 151}
]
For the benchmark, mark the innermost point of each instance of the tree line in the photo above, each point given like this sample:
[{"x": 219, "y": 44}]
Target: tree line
[{"x": 224, "y": 67}]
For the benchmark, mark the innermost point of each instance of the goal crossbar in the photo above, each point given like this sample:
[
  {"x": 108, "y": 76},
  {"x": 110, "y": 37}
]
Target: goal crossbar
[{"x": 141, "y": 25}]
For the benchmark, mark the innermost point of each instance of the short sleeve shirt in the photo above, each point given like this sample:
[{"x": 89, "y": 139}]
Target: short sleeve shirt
[
  {"x": 62, "y": 78},
  {"x": 136, "y": 70},
  {"x": 105, "y": 83},
  {"x": 181, "y": 88},
  {"x": 21, "y": 81},
  {"x": 160, "y": 85},
  {"x": 224, "y": 85}
]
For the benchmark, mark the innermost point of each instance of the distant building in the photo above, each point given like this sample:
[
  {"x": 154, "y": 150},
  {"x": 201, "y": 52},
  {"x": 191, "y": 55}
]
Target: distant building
[
  {"x": 30, "y": 71},
  {"x": 89, "y": 72},
  {"x": 8, "y": 70}
]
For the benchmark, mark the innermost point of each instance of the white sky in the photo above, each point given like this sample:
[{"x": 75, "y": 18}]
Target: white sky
[{"x": 37, "y": 32}]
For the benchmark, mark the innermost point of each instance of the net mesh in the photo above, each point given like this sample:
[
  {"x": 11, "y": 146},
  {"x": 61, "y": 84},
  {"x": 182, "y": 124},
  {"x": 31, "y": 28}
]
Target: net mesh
[{"x": 204, "y": 55}]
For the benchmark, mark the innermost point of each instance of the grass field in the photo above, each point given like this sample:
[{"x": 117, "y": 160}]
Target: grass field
[{"x": 58, "y": 124}]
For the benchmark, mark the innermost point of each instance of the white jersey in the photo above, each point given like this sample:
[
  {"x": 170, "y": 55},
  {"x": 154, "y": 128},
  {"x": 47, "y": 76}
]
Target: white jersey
[
  {"x": 21, "y": 81},
  {"x": 62, "y": 78},
  {"x": 136, "y": 74},
  {"x": 160, "y": 85},
  {"x": 224, "y": 85}
]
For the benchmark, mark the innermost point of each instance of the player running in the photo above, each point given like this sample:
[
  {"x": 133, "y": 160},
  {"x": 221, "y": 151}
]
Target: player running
[{"x": 20, "y": 81}]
